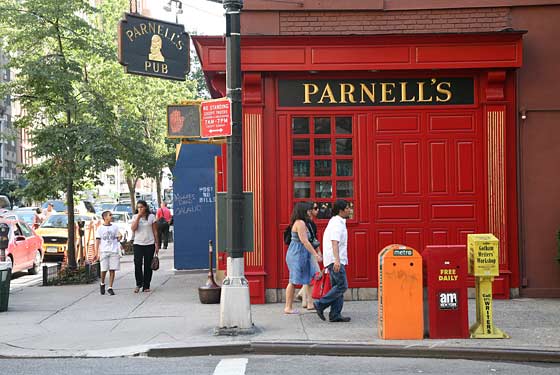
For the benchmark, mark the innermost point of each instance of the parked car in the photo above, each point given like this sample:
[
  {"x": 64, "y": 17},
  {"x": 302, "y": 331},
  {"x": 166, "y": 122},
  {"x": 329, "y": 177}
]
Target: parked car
[
  {"x": 54, "y": 231},
  {"x": 25, "y": 247},
  {"x": 27, "y": 214},
  {"x": 123, "y": 207},
  {"x": 5, "y": 202},
  {"x": 58, "y": 205},
  {"x": 123, "y": 221}
]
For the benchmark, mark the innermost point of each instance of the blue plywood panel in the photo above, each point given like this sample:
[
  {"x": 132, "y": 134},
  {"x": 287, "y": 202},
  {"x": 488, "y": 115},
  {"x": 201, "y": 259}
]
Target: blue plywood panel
[{"x": 194, "y": 212}]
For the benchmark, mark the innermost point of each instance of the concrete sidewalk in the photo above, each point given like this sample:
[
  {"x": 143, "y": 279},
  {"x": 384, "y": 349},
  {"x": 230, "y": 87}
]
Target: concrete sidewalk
[{"x": 72, "y": 321}]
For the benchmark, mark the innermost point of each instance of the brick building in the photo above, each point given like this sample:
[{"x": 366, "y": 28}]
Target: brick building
[{"x": 434, "y": 119}]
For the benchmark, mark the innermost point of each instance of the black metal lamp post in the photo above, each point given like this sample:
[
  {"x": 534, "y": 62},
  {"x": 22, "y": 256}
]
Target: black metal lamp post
[{"x": 235, "y": 307}]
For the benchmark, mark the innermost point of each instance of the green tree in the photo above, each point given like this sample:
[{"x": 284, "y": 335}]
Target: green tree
[{"x": 53, "y": 45}]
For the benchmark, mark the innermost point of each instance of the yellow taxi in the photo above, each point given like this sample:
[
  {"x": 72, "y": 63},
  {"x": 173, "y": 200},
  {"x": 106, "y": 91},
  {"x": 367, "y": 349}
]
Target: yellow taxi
[{"x": 54, "y": 231}]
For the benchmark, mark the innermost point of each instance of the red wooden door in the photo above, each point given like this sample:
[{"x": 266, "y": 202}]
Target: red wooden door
[
  {"x": 426, "y": 177},
  {"x": 414, "y": 177}
]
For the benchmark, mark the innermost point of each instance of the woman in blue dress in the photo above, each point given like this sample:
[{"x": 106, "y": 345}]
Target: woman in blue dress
[{"x": 298, "y": 257}]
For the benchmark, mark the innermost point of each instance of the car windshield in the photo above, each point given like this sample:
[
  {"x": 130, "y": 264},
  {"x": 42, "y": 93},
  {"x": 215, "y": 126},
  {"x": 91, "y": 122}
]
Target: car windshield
[
  {"x": 123, "y": 207},
  {"x": 58, "y": 206},
  {"x": 56, "y": 221},
  {"x": 118, "y": 218},
  {"x": 26, "y": 216},
  {"x": 107, "y": 206}
]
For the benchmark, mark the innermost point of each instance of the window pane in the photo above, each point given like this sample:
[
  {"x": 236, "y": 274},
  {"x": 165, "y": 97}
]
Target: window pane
[
  {"x": 322, "y": 146},
  {"x": 302, "y": 189},
  {"x": 300, "y": 125},
  {"x": 344, "y": 125},
  {"x": 323, "y": 189},
  {"x": 344, "y": 167},
  {"x": 344, "y": 189},
  {"x": 323, "y": 168},
  {"x": 344, "y": 146},
  {"x": 301, "y": 147},
  {"x": 301, "y": 168},
  {"x": 325, "y": 210},
  {"x": 322, "y": 125}
]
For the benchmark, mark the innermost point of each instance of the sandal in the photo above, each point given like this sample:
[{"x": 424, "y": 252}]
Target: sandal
[
  {"x": 137, "y": 289},
  {"x": 147, "y": 290}
]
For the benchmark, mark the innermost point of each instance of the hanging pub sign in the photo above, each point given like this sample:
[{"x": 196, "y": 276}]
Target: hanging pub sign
[
  {"x": 153, "y": 48},
  {"x": 376, "y": 92}
]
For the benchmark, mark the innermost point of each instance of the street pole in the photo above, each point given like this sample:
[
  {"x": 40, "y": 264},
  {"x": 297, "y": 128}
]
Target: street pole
[{"x": 235, "y": 306}]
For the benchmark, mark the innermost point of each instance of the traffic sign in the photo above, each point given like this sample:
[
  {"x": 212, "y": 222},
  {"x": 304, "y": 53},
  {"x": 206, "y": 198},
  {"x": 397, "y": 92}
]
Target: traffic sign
[{"x": 215, "y": 118}]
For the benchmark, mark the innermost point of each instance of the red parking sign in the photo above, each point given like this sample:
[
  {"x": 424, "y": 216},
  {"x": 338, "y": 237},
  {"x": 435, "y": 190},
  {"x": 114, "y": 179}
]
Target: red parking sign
[{"x": 215, "y": 118}]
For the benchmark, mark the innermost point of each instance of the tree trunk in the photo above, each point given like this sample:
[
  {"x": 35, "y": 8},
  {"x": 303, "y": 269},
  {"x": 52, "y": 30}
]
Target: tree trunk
[
  {"x": 71, "y": 249},
  {"x": 131, "y": 183},
  {"x": 158, "y": 187}
]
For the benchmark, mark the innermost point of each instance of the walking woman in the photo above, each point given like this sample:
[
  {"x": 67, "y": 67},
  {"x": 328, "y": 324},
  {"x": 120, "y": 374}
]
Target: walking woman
[
  {"x": 300, "y": 252},
  {"x": 145, "y": 245}
]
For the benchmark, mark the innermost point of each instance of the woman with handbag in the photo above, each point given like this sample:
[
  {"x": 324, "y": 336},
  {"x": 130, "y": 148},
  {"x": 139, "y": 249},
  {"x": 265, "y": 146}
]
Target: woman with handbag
[
  {"x": 300, "y": 252},
  {"x": 145, "y": 245},
  {"x": 305, "y": 291}
]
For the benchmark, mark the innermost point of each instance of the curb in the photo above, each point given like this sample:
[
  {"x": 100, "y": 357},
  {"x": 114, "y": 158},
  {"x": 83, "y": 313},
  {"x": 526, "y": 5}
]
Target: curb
[{"x": 360, "y": 350}]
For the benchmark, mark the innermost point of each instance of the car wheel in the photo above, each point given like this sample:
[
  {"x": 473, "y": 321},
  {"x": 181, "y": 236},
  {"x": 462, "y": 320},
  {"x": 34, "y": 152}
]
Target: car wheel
[{"x": 36, "y": 264}]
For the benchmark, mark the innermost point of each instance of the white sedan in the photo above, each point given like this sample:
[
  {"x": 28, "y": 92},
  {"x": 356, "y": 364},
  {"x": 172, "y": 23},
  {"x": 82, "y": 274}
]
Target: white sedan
[{"x": 123, "y": 220}]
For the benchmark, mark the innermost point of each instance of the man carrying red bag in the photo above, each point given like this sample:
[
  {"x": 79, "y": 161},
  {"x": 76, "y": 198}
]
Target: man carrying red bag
[{"x": 335, "y": 259}]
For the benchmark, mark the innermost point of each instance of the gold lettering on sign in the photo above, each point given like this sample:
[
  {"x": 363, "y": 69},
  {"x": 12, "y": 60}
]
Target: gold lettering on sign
[
  {"x": 399, "y": 92},
  {"x": 421, "y": 93},
  {"x": 386, "y": 89},
  {"x": 403, "y": 93},
  {"x": 441, "y": 90},
  {"x": 365, "y": 90},
  {"x": 308, "y": 92},
  {"x": 327, "y": 92},
  {"x": 347, "y": 90}
]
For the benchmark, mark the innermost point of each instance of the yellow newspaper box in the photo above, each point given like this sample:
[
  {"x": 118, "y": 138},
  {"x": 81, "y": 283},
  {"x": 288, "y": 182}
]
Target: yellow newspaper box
[
  {"x": 401, "y": 312},
  {"x": 483, "y": 254}
]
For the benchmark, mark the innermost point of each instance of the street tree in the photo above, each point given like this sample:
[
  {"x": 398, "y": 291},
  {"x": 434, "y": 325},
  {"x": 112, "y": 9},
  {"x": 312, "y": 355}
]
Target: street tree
[
  {"x": 52, "y": 45},
  {"x": 139, "y": 107}
]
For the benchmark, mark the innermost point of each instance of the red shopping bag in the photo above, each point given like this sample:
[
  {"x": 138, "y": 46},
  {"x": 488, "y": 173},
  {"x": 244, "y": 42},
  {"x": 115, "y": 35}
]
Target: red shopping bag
[{"x": 321, "y": 284}]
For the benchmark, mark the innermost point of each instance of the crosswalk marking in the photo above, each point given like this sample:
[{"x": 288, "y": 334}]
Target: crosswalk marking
[{"x": 235, "y": 366}]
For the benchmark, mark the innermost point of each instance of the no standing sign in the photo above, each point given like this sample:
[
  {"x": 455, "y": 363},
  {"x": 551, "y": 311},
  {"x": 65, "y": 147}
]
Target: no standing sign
[{"x": 215, "y": 118}]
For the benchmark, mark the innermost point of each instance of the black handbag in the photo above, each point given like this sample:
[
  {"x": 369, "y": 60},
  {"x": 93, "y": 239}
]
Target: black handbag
[{"x": 155, "y": 263}]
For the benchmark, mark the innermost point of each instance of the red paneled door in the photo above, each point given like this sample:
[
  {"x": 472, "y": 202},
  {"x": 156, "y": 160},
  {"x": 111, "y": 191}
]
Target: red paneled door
[{"x": 414, "y": 176}]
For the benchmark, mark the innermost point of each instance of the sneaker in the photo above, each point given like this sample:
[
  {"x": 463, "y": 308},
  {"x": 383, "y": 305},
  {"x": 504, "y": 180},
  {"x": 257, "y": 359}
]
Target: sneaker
[
  {"x": 102, "y": 288},
  {"x": 110, "y": 291}
]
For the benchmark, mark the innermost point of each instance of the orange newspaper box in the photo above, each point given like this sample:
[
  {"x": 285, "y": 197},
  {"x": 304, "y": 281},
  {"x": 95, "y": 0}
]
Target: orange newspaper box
[{"x": 400, "y": 294}]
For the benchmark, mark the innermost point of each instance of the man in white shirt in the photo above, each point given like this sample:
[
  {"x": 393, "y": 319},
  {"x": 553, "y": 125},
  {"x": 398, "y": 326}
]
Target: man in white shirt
[{"x": 335, "y": 259}]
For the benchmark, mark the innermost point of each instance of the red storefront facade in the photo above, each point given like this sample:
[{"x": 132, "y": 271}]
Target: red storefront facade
[
  {"x": 365, "y": 126},
  {"x": 320, "y": 123}
]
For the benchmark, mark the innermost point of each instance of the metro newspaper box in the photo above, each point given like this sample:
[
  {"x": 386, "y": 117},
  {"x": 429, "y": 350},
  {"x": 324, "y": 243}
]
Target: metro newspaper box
[
  {"x": 400, "y": 294},
  {"x": 445, "y": 269}
]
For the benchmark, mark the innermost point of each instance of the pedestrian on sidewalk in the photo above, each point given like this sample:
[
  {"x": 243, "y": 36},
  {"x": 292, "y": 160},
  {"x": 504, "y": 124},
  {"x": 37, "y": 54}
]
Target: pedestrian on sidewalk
[
  {"x": 304, "y": 293},
  {"x": 163, "y": 217},
  {"x": 145, "y": 245},
  {"x": 298, "y": 257},
  {"x": 107, "y": 245},
  {"x": 335, "y": 251}
]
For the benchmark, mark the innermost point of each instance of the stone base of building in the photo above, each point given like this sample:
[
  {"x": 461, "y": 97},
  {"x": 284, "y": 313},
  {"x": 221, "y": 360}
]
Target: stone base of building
[{"x": 358, "y": 294}]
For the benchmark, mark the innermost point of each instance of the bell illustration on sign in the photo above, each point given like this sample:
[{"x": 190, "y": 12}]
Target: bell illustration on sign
[
  {"x": 155, "y": 49},
  {"x": 176, "y": 121}
]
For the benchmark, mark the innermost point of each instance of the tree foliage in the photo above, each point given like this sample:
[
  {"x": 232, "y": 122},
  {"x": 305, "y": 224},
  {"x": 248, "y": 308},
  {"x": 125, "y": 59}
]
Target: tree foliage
[{"x": 51, "y": 44}]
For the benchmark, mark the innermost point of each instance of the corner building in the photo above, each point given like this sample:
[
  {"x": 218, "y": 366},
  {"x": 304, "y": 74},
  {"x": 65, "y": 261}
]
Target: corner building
[{"x": 434, "y": 120}]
